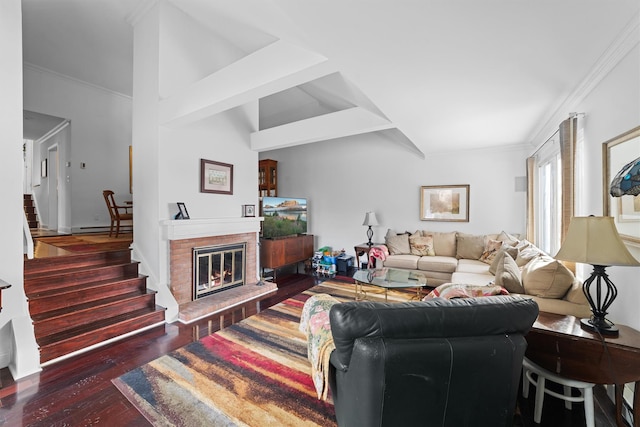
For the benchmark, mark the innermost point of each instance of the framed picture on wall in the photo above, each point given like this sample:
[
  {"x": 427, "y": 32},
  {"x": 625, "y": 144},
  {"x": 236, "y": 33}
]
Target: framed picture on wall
[
  {"x": 216, "y": 177},
  {"x": 620, "y": 163},
  {"x": 444, "y": 203},
  {"x": 43, "y": 168}
]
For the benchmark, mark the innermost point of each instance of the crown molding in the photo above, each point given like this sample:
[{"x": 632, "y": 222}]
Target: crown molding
[
  {"x": 627, "y": 40},
  {"x": 37, "y": 68}
]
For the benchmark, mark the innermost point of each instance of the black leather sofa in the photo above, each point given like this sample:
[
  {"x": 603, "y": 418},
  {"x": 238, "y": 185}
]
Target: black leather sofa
[{"x": 434, "y": 363}]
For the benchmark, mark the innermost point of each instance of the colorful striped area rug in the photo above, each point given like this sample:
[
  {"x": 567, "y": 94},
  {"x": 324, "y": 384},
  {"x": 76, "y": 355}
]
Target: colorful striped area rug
[{"x": 253, "y": 373}]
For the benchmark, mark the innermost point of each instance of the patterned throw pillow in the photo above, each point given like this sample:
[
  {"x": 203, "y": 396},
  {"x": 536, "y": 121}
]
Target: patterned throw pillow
[
  {"x": 420, "y": 245},
  {"x": 490, "y": 251}
]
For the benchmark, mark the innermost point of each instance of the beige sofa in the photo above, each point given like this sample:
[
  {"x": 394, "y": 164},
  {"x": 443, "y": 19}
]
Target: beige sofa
[{"x": 501, "y": 259}]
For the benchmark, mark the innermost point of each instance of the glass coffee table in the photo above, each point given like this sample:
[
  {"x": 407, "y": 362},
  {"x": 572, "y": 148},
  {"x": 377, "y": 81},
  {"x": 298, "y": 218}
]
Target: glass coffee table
[{"x": 388, "y": 278}]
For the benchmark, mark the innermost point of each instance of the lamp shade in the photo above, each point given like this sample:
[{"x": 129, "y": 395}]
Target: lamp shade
[
  {"x": 595, "y": 240},
  {"x": 370, "y": 219}
]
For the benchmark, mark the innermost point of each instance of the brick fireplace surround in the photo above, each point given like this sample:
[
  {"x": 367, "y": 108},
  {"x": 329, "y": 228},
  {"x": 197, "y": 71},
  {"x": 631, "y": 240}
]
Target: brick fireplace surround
[{"x": 184, "y": 235}]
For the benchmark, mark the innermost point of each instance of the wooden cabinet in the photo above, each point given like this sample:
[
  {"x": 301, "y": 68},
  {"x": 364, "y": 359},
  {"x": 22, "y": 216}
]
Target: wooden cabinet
[
  {"x": 276, "y": 253},
  {"x": 267, "y": 178}
]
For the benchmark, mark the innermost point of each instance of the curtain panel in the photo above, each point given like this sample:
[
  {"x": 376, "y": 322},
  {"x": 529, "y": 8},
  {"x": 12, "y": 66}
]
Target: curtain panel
[{"x": 567, "y": 135}]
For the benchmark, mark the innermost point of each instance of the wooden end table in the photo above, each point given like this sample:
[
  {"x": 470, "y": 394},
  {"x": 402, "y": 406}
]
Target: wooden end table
[
  {"x": 558, "y": 343},
  {"x": 361, "y": 249}
]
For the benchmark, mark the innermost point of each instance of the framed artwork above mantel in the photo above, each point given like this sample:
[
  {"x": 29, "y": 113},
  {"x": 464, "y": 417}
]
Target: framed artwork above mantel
[{"x": 216, "y": 177}]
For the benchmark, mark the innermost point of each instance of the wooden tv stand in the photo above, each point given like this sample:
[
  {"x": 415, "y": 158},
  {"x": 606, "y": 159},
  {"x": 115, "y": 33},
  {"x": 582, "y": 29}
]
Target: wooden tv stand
[{"x": 279, "y": 252}]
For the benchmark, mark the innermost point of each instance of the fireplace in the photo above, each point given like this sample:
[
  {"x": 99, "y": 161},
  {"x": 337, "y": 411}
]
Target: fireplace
[
  {"x": 183, "y": 236},
  {"x": 217, "y": 268}
]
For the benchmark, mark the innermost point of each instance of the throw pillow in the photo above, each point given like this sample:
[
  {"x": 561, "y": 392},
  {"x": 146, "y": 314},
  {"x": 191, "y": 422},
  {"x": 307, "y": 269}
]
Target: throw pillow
[
  {"x": 420, "y": 245},
  {"x": 546, "y": 277},
  {"x": 470, "y": 246},
  {"x": 444, "y": 244},
  {"x": 527, "y": 253},
  {"x": 491, "y": 249},
  {"x": 504, "y": 249},
  {"x": 508, "y": 275},
  {"x": 398, "y": 244},
  {"x": 507, "y": 238}
]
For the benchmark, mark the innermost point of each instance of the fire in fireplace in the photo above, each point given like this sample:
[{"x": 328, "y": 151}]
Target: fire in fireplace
[{"x": 216, "y": 268}]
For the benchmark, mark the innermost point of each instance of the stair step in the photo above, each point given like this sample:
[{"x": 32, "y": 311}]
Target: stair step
[
  {"x": 80, "y": 300},
  {"x": 37, "y": 266},
  {"x": 78, "y": 338},
  {"x": 77, "y": 276},
  {"x": 74, "y": 317},
  {"x": 54, "y": 299}
]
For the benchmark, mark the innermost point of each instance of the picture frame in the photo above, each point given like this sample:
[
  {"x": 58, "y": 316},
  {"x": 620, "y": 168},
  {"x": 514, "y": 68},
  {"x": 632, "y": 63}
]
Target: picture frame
[
  {"x": 43, "y": 168},
  {"x": 248, "y": 210},
  {"x": 444, "y": 203},
  {"x": 182, "y": 211},
  {"x": 216, "y": 177},
  {"x": 625, "y": 210}
]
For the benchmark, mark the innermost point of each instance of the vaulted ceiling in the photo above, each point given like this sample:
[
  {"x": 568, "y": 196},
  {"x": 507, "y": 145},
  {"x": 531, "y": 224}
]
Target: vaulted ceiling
[{"x": 429, "y": 75}]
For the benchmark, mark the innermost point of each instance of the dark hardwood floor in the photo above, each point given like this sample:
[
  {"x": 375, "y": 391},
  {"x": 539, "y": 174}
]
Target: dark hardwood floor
[{"x": 79, "y": 392}]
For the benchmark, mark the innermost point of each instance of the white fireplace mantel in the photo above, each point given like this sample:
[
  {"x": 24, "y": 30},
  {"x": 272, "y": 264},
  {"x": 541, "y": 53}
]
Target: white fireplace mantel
[{"x": 193, "y": 228}]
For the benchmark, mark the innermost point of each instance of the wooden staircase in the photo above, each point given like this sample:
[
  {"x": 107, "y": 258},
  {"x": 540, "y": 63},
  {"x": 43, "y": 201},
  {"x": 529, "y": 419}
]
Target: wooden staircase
[
  {"x": 30, "y": 211},
  {"x": 84, "y": 299}
]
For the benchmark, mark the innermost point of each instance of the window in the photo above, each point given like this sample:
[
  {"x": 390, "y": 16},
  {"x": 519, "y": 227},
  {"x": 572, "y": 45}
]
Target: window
[{"x": 548, "y": 198}]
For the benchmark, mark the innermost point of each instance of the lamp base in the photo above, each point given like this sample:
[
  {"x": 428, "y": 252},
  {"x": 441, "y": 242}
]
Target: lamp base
[{"x": 605, "y": 328}]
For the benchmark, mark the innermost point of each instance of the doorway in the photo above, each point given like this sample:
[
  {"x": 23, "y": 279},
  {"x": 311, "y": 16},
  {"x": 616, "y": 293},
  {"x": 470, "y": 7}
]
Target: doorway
[{"x": 47, "y": 149}]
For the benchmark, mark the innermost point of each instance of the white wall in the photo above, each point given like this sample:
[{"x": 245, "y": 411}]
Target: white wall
[
  {"x": 344, "y": 178},
  {"x": 100, "y": 137},
  {"x": 15, "y": 324},
  {"x": 611, "y": 109},
  {"x": 167, "y": 160}
]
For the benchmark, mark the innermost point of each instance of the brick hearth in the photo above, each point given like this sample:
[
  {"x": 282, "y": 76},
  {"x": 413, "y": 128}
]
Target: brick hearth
[{"x": 216, "y": 303}]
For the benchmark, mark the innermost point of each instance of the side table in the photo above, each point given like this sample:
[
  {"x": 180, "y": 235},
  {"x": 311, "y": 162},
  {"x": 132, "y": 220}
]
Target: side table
[
  {"x": 361, "y": 249},
  {"x": 559, "y": 344}
]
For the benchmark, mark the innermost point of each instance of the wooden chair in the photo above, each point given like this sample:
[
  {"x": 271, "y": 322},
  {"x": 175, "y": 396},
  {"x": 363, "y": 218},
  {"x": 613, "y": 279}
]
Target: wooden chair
[{"x": 117, "y": 213}]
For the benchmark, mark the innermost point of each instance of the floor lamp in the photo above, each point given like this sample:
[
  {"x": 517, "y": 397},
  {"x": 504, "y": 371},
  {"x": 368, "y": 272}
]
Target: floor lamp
[{"x": 595, "y": 240}]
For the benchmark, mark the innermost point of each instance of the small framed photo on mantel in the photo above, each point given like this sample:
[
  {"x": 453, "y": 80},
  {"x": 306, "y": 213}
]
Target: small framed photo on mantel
[
  {"x": 248, "y": 210},
  {"x": 182, "y": 211}
]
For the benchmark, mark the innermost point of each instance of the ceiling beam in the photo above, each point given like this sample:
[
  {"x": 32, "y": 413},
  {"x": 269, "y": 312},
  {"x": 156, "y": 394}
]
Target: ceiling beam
[
  {"x": 274, "y": 68},
  {"x": 352, "y": 121}
]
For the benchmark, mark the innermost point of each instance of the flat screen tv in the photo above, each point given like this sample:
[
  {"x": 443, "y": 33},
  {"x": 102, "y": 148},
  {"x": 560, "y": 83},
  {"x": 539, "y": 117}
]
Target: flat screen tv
[{"x": 283, "y": 216}]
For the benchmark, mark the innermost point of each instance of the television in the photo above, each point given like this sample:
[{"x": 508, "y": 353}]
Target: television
[{"x": 283, "y": 216}]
